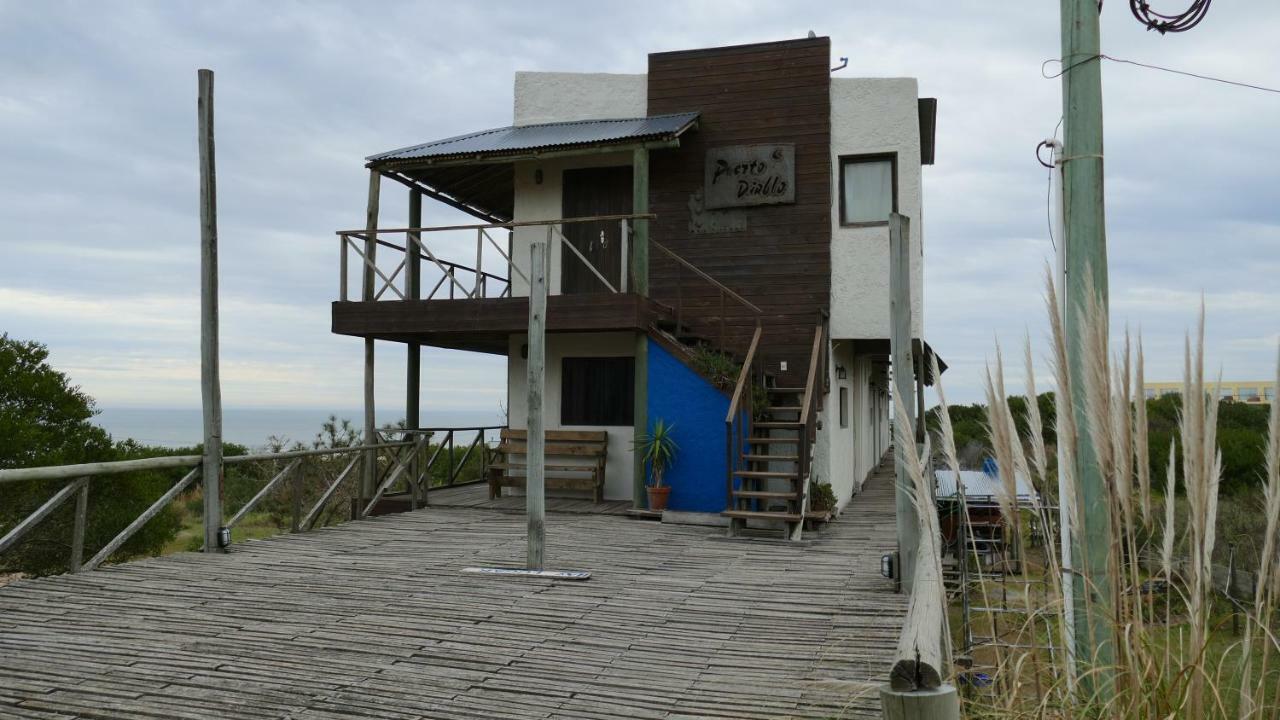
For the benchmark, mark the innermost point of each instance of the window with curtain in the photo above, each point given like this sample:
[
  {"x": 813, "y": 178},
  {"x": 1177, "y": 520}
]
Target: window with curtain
[
  {"x": 868, "y": 191},
  {"x": 597, "y": 391}
]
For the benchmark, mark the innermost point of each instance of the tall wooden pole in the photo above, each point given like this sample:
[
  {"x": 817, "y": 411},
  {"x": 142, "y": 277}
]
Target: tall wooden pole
[
  {"x": 908, "y": 522},
  {"x": 1086, "y": 267},
  {"x": 413, "y": 281},
  {"x": 535, "y": 452},
  {"x": 370, "y": 476},
  {"x": 639, "y": 268},
  {"x": 210, "y": 383}
]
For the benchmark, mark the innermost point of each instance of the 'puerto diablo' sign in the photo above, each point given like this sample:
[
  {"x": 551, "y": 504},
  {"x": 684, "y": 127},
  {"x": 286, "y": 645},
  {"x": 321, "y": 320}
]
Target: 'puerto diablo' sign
[{"x": 740, "y": 175}]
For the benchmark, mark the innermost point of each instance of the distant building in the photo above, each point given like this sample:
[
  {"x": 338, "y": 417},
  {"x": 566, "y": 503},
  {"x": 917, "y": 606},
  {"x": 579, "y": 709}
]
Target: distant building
[{"x": 1261, "y": 392}]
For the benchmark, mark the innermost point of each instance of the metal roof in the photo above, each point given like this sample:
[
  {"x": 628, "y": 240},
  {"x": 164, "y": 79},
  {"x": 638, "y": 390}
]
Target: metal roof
[
  {"x": 978, "y": 484},
  {"x": 521, "y": 139}
]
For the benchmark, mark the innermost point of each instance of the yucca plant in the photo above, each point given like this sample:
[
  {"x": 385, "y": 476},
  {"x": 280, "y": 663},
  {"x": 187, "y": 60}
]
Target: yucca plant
[
  {"x": 658, "y": 448},
  {"x": 1171, "y": 657}
]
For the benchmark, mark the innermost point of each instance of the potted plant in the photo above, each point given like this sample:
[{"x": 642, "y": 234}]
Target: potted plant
[{"x": 658, "y": 449}]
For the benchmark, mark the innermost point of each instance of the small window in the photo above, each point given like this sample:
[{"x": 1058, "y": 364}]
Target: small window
[
  {"x": 868, "y": 189},
  {"x": 844, "y": 407},
  {"x": 1150, "y": 393},
  {"x": 597, "y": 391},
  {"x": 1226, "y": 394},
  {"x": 1248, "y": 394},
  {"x": 1269, "y": 393}
]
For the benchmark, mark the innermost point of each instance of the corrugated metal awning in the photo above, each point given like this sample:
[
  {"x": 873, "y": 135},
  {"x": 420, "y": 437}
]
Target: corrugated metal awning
[
  {"x": 526, "y": 139},
  {"x": 978, "y": 484}
]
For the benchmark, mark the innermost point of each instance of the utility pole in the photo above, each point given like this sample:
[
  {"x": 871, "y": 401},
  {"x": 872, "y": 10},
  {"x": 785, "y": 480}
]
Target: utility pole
[{"x": 1085, "y": 266}]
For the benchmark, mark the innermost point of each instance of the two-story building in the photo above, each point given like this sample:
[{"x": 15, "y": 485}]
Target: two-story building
[{"x": 728, "y": 209}]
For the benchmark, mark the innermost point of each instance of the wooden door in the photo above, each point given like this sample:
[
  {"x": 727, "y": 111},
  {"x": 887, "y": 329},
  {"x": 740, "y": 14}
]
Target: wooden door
[{"x": 588, "y": 192}]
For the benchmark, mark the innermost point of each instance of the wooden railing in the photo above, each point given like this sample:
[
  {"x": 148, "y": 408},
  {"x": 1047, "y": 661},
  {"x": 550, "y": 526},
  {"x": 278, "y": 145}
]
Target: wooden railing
[
  {"x": 738, "y": 421},
  {"x": 403, "y": 462},
  {"x": 395, "y": 277},
  {"x": 723, "y": 292},
  {"x": 810, "y": 405}
]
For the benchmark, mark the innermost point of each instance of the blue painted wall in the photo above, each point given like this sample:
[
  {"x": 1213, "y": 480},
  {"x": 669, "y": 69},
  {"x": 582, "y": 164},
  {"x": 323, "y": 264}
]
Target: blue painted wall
[{"x": 683, "y": 398}]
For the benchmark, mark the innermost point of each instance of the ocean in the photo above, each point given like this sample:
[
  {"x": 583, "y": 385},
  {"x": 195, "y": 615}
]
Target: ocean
[{"x": 183, "y": 427}]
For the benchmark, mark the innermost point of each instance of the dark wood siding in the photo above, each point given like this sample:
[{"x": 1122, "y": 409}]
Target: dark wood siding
[{"x": 752, "y": 94}]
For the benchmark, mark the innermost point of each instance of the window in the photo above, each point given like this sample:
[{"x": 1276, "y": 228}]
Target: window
[
  {"x": 1150, "y": 393},
  {"x": 1248, "y": 394},
  {"x": 1269, "y": 393},
  {"x": 868, "y": 189},
  {"x": 844, "y": 407},
  {"x": 1226, "y": 394},
  {"x": 597, "y": 391}
]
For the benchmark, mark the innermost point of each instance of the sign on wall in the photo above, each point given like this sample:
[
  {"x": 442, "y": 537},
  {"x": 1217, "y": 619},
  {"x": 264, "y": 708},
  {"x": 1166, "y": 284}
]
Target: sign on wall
[{"x": 744, "y": 175}]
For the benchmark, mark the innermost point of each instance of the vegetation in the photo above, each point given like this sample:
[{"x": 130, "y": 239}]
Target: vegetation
[
  {"x": 821, "y": 497},
  {"x": 658, "y": 448},
  {"x": 1161, "y": 647}
]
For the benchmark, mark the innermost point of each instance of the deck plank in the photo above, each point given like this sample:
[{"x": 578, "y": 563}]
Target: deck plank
[{"x": 372, "y": 619}]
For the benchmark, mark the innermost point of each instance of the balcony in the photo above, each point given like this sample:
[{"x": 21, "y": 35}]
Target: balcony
[{"x": 466, "y": 286}]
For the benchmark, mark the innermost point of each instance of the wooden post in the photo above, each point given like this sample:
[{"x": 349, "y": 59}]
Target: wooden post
[
  {"x": 904, "y": 386},
  {"x": 639, "y": 266},
  {"x": 210, "y": 383},
  {"x": 295, "y": 486},
  {"x": 413, "y": 364},
  {"x": 77, "y": 532},
  {"x": 535, "y": 452},
  {"x": 370, "y": 477},
  {"x": 920, "y": 424},
  {"x": 1085, "y": 255}
]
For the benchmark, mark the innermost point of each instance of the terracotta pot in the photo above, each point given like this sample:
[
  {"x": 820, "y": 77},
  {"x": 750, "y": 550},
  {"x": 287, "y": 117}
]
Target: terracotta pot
[{"x": 658, "y": 497}]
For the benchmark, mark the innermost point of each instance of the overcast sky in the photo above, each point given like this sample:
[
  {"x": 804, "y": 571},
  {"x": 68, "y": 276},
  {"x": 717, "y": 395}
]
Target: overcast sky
[{"x": 99, "y": 241}]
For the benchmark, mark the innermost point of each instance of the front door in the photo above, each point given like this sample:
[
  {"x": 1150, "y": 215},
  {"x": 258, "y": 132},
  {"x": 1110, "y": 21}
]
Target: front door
[{"x": 590, "y": 192}]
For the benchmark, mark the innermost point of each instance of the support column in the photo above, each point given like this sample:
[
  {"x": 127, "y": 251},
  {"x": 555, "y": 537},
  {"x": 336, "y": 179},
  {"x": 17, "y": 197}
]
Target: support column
[
  {"x": 920, "y": 424},
  {"x": 640, "y": 285},
  {"x": 413, "y": 281},
  {"x": 535, "y": 450},
  {"x": 1086, "y": 271},
  {"x": 908, "y": 524},
  {"x": 369, "y": 479},
  {"x": 210, "y": 380}
]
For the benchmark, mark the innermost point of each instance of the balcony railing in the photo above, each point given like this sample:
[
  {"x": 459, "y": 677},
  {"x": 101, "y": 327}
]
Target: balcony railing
[{"x": 391, "y": 275}]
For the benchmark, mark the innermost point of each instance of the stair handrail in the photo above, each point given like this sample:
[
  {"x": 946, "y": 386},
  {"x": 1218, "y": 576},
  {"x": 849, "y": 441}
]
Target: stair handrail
[
  {"x": 735, "y": 431},
  {"x": 720, "y": 287},
  {"x": 808, "y": 409}
]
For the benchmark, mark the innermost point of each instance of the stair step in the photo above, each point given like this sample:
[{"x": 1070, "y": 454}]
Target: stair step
[
  {"x": 785, "y": 390},
  {"x": 786, "y": 424},
  {"x": 784, "y": 408},
  {"x": 771, "y": 458},
  {"x": 771, "y": 440},
  {"x": 767, "y": 474},
  {"x": 762, "y": 494},
  {"x": 755, "y": 515}
]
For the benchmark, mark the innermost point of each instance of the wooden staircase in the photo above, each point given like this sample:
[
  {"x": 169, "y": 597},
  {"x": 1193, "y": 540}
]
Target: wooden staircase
[{"x": 769, "y": 450}]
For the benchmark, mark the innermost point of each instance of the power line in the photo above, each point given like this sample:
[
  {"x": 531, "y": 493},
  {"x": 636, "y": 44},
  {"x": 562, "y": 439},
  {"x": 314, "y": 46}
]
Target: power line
[{"x": 1149, "y": 66}]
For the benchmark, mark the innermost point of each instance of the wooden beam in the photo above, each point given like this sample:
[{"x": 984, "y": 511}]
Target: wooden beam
[
  {"x": 639, "y": 266},
  {"x": 143, "y": 519},
  {"x": 369, "y": 478},
  {"x": 413, "y": 279},
  {"x": 535, "y": 455},
  {"x": 903, "y": 387},
  {"x": 210, "y": 382}
]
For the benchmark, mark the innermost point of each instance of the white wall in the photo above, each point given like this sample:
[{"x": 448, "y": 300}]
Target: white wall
[
  {"x": 620, "y": 471},
  {"x": 543, "y": 97},
  {"x": 844, "y": 456},
  {"x": 872, "y": 115}
]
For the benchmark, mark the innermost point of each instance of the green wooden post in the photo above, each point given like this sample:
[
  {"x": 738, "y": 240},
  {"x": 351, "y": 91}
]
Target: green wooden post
[
  {"x": 908, "y": 522},
  {"x": 639, "y": 266},
  {"x": 413, "y": 364},
  {"x": 369, "y": 480},
  {"x": 1086, "y": 266}
]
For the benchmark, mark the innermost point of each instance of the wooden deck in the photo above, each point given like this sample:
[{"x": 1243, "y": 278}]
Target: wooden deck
[
  {"x": 373, "y": 620},
  {"x": 476, "y": 496}
]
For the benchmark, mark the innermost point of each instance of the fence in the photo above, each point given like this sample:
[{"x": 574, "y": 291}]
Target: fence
[{"x": 305, "y": 486}]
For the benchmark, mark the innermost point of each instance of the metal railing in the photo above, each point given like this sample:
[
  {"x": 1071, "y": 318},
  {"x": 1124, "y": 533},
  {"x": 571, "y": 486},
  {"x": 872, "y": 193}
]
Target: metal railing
[
  {"x": 409, "y": 462},
  {"x": 394, "y": 277}
]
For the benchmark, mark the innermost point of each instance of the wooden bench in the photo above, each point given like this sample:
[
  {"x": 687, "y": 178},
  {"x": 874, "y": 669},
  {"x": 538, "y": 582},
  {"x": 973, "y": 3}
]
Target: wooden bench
[{"x": 575, "y": 460}]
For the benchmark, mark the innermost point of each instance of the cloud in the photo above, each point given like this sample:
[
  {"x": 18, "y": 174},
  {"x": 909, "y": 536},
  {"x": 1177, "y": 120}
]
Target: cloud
[{"x": 98, "y": 198}]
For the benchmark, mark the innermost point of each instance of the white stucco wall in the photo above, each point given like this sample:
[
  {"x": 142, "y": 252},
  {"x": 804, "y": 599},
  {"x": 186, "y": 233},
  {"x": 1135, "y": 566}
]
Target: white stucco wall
[
  {"x": 874, "y": 115},
  {"x": 543, "y": 97},
  {"x": 620, "y": 470},
  {"x": 844, "y": 456}
]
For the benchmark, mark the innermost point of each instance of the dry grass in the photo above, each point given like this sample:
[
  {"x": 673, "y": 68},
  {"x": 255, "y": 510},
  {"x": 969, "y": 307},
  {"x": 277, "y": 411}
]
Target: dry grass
[{"x": 1156, "y": 655}]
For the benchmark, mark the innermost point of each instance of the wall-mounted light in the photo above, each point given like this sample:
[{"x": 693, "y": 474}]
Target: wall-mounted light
[
  {"x": 537, "y": 176},
  {"x": 841, "y": 373}
]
